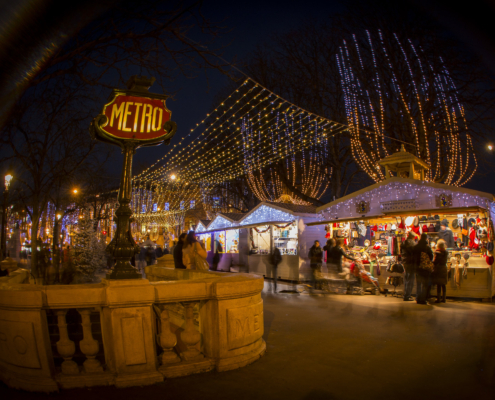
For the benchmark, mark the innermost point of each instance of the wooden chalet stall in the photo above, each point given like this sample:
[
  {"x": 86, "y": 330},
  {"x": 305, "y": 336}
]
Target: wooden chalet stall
[
  {"x": 383, "y": 213},
  {"x": 281, "y": 225},
  {"x": 222, "y": 235}
]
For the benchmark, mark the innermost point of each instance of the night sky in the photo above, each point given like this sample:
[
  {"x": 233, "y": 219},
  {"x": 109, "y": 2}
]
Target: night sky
[{"x": 252, "y": 23}]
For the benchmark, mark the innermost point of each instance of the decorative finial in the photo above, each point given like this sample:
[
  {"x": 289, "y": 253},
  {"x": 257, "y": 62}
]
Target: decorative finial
[
  {"x": 140, "y": 83},
  {"x": 402, "y": 148}
]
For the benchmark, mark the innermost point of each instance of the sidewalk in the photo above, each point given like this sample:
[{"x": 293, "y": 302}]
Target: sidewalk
[{"x": 345, "y": 347}]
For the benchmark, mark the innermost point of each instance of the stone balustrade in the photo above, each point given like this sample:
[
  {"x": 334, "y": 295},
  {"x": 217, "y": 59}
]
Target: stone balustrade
[{"x": 175, "y": 323}]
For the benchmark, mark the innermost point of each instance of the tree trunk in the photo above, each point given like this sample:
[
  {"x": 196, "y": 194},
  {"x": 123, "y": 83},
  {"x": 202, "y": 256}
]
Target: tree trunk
[
  {"x": 56, "y": 250},
  {"x": 34, "y": 244}
]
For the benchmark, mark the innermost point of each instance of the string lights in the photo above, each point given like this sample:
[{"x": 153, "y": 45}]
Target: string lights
[{"x": 412, "y": 96}]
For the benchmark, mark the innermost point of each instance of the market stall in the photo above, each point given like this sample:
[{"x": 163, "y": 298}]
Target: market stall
[
  {"x": 221, "y": 236},
  {"x": 284, "y": 226},
  {"x": 382, "y": 214}
]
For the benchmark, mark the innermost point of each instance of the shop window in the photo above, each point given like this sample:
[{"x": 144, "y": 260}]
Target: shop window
[
  {"x": 232, "y": 241},
  {"x": 285, "y": 238},
  {"x": 219, "y": 245},
  {"x": 205, "y": 239},
  {"x": 261, "y": 240}
]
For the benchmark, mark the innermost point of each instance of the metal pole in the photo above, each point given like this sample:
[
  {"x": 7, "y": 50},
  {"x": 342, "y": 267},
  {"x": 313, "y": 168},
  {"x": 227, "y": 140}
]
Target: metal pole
[{"x": 122, "y": 246}]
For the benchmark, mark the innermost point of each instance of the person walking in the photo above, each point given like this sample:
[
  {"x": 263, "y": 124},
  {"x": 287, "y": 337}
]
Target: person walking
[
  {"x": 407, "y": 253},
  {"x": 331, "y": 268},
  {"x": 158, "y": 251},
  {"x": 275, "y": 260},
  {"x": 315, "y": 256},
  {"x": 439, "y": 275},
  {"x": 422, "y": 252},
  {"x": 178, "y": 252},
  {"x": 142, "y": 258},
  {"x": 336, "y": 255},
  {"x": 218, "y": 255},
  {"x": 192, "y": 249}
]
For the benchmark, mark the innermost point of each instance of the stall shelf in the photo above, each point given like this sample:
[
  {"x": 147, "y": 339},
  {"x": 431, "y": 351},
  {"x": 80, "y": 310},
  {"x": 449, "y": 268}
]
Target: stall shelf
[{"x": 408, "y": 194}]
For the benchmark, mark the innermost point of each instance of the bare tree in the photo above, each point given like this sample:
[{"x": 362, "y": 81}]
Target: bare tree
[{"x": 46, "y": 145}]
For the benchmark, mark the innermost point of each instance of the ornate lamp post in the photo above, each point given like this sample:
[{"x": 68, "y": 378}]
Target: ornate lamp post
[
  {"x": 132, "y": 118},
  {"x": 8, "y": 179}
]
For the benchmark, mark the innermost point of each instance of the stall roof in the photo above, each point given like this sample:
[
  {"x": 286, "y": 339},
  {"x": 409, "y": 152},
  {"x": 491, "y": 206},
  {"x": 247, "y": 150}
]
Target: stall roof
[
  {"x": 224, "y": 221},
  {"x": 294, "y": 208},
  {"x": 385, "y": 182},
  {"x": 233, "y": 216}
]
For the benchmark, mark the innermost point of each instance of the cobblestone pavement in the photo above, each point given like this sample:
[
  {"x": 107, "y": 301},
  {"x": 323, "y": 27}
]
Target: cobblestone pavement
[{"x": 345, "y": 347}]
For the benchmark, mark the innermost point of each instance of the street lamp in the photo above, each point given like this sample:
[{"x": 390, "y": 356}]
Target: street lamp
[
  {"x": 75, "y": 191},
  {"x": 490, "y": 147},
  {"x": 173, "y": 177},
  {"x": 8, "y": 179}
]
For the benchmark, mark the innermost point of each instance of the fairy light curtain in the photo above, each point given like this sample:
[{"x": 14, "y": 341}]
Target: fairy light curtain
[
  {"x": 249, "y": 131},
  {"x": 393, "y": 89}
]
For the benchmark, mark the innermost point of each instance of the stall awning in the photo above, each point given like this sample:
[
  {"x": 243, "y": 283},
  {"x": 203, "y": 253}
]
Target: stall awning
[
  {"x": 267, "y": 223},
  {"x": 339, "y": 220},
  {"x": 248, "y": 226},
  {"x": 437, "y": 211},
  {"x": 219, "y": 230}
]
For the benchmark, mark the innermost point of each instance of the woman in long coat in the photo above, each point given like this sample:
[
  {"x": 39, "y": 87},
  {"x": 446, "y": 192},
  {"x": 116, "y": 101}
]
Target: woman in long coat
[{"x": 439, "y": 275}]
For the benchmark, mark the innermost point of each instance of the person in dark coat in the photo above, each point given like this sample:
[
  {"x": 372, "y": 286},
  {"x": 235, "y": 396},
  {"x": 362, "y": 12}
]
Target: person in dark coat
[
  {"x": 332, "y": 269},
  {"x": 178, "y": 252},
  {"x": 439, "y": 275},
  {"x": 275, "y": 260},
  {"x": 217, "y": 256},
  {"x": 315, "y": 255},
  {"x": 407, "y": 253},
  {"x": 336, "y": 255},
  {"x": 422, "y": 276},
  {"x": 158, "y": 252},
  {"x": 446, "y": 234}
]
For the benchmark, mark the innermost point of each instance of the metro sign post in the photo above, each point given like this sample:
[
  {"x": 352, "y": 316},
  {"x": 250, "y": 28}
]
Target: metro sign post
[{"x": 132, "y": 118}]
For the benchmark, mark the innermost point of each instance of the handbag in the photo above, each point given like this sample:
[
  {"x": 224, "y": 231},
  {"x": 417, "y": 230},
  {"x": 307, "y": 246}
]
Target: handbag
[
  {"x": 464, "y": 232},
  {"x": 199, "y": 262}
]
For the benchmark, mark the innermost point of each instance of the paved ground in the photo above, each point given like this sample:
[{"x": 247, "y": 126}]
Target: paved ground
[{"x": 345, "y": 347}]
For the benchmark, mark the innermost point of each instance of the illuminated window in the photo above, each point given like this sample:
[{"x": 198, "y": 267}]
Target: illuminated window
[
  {"x": 143, "y": 208},
  {"x": 181, "y": 205},
  {"x": 167, "y": 207},
  {"x": 155, "y": 207},
  {"x": 193, "y": 204},
  {"x": 216, "y": 202}
]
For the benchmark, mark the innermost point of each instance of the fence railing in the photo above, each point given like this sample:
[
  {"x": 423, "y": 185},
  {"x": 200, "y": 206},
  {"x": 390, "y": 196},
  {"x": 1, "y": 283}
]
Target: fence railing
[{"x": 128, "y": 332}]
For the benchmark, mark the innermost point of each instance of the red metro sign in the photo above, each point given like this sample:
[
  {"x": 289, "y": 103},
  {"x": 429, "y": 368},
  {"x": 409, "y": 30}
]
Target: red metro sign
[
  {"x": 135, "y": 117},
  {"x": 132, "y": 117}
]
